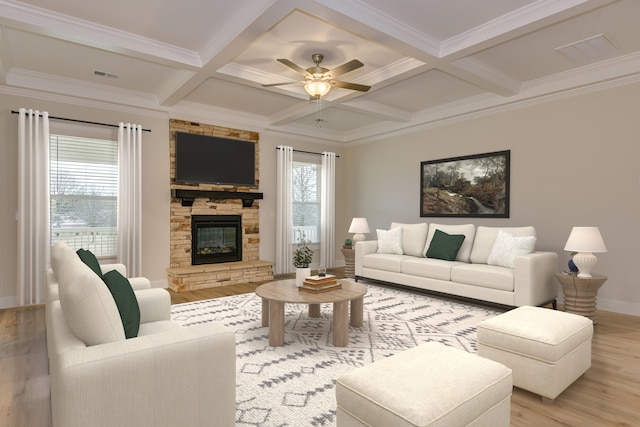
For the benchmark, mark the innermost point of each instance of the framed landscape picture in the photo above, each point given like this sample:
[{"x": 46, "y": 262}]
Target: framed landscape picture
[{"x": 467, "y": 186}]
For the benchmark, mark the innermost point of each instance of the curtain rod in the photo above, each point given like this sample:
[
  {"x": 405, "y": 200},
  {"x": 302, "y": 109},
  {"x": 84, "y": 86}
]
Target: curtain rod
[
  {"x": 82, "y": 121},
  {"x": 306, "y": 152}
]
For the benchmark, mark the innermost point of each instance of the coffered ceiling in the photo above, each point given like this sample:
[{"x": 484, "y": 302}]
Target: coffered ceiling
[{"x": 426, "y": 60}]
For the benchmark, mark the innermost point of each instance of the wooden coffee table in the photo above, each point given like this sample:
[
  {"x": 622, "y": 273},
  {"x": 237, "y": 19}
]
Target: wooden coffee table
[{"x": 275, "y": 294}]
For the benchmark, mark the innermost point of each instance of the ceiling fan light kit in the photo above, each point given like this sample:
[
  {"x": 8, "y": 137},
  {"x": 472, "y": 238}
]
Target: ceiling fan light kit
[
  {"x": 317, "y": 88},
  {"x": 319, "y": 80}
]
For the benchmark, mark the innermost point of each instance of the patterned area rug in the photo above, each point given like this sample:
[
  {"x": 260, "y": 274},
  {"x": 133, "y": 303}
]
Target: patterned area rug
[{"x": 294, "y": 385}]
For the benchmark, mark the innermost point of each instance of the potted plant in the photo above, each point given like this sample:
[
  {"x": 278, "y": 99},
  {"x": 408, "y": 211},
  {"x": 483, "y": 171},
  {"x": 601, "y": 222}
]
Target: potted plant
[{"x": 302, "y": 256}]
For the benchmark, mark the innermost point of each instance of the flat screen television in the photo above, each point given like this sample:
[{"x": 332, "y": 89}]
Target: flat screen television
[{"x": 214, "y": 160}]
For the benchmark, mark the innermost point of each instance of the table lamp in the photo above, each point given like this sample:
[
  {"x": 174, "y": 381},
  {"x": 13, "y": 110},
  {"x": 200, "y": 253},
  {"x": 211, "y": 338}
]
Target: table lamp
[
  {"x": 359, "y": 226},
  {"x": 585, "y": 241}
]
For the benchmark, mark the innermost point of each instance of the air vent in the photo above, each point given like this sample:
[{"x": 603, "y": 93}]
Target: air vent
[
  {"x": 587, "y": 49},
  {"x": 105, "y": 74}
]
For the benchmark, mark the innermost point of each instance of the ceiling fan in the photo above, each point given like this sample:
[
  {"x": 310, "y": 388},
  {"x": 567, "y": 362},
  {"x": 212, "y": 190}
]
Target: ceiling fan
[{"x": 319, "y": 80}]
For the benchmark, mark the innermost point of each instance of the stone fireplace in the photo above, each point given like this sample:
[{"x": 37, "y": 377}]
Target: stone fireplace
[{"x": 209, "y": 203}]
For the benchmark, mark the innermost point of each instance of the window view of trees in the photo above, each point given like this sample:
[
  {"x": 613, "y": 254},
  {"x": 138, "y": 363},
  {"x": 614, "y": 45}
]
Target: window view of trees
[
  {"x": 83, "y": 193},
  {"x": 306, "y": 201}
]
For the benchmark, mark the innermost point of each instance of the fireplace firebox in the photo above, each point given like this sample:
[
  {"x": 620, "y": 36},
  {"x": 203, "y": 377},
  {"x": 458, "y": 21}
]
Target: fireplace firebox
[{"x": 216, "y": 238}]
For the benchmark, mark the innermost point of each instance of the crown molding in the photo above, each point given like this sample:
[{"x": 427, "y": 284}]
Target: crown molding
[
  {"x": 50, "y": 83},
  {"x": 193, "y": 111},
  {"x": 513, "y": 21},
  {"x": 53, "y": 24},
  {"x": 157, "y": 112}
]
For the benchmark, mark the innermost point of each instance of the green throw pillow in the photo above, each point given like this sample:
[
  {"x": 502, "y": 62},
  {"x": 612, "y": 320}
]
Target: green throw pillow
[
  {"x": 126, "y": 301},
  {"x": 90, "y": 260},
  {"x": 445, "y": 246}
]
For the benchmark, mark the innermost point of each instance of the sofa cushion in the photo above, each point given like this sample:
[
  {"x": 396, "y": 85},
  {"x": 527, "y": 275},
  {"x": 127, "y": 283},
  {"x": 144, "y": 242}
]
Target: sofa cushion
[
  {"x": 445, "y": 246},
  {"x": 487, "y": 276},
  {"x": 508, "y": 247},
  {"x": 469, "y": 231},
  {"x": 486, "y": 237},
  {"x": 386, "y": 262},
  {"x": 414, "y": 237},
  {"x": 390, "y": 241},
  {"x": 429, "y": 267},
  {"x": 88, "y": 306},
  {"x": 126, "y": 302},
  {"x": 90, "y": 259}
]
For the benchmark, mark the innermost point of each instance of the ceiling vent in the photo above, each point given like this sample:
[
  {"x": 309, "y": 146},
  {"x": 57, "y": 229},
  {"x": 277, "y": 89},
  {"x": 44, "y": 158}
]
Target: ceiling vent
[
  {"x": 587, "y": 49},
  {"x": 105, "y": 74}
]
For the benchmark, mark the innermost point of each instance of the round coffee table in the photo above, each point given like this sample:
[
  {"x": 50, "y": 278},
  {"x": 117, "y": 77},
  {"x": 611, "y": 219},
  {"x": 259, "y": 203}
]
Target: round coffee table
[{"x": 275, "y": 294}]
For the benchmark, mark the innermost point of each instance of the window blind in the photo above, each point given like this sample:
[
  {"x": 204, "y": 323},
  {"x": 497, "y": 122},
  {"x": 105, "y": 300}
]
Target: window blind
[{"x": 83, "y": 191}]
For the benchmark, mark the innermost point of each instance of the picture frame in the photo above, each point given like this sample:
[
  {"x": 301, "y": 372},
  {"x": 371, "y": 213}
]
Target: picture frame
[{"x": 474, "y": 186}]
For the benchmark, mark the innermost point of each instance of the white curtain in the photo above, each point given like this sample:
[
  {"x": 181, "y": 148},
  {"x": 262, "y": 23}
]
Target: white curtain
[
  {"x": 284, "y": 220},
  {"x": 328, "y": 210},
  {"x": 33, "y": 206},
  {"x": 129, "y": 198}
]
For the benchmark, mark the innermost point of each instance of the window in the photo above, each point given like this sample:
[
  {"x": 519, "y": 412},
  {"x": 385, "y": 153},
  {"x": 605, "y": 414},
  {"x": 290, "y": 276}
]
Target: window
[
  {"x": 306, "y": 200},
  {"x": 84, "y": 193}
]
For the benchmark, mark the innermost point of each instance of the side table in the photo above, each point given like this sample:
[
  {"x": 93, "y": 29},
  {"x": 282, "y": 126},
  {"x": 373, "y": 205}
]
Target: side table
[
  {"x": 580, "y": 293},
  {"x": 349, "y": 260}
]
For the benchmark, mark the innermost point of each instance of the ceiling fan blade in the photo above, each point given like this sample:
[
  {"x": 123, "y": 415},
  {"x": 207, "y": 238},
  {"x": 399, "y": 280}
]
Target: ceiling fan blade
[
  {"x": 281, "y": 84},
  {"x": 345, "y": 68},
  {"x": 352, "y": 86},
  {"x": 293, "y": 66}
]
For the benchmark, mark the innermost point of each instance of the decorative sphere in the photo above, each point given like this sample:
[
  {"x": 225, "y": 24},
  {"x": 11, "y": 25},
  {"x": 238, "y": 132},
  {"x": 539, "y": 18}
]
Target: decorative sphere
[{"x": 347, "y": 242}]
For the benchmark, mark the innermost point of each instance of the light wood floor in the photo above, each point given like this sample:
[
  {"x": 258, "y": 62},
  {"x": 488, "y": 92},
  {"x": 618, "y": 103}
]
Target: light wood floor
[{"x": 608, "y": 394}]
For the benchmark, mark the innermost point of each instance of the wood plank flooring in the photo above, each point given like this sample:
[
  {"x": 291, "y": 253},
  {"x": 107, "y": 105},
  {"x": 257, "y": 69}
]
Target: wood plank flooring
[{"x": 608, "y": 394}]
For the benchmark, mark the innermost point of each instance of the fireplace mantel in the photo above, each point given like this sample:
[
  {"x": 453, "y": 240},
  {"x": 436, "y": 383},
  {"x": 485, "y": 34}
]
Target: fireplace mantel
[{"x": 188, "y": 196}]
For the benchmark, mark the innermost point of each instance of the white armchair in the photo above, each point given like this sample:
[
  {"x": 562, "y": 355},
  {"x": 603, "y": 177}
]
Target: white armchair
[{"x": 166, "y": 376}]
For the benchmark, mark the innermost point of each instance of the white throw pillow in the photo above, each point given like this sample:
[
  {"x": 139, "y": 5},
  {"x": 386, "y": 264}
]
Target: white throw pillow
[
  {"x": 390, "y": 241},
  {"x": 507, "y": 248}
]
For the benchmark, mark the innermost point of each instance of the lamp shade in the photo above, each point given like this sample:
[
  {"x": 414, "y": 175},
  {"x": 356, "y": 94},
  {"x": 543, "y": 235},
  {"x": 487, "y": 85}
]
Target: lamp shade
[
  {"x": 585, "y": 239},
  {"x": 359, "y": 225}
]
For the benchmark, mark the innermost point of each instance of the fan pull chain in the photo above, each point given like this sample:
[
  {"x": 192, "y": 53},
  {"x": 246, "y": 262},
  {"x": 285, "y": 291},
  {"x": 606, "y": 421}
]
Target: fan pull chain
[{"x": 319, "y": 112}]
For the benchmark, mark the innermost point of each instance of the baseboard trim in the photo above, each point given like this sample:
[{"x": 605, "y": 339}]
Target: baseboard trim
[
  {"x": 8, "y": 302},
  {"x": 616, "y": 306}
]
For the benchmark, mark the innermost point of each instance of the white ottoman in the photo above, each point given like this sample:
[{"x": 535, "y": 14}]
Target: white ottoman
[
  {"x": 546, "y": 349},
  {"x": 429, "y": 385}
]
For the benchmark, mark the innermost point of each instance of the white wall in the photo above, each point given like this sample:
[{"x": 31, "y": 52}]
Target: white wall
[{"x": 574, "y": 162}]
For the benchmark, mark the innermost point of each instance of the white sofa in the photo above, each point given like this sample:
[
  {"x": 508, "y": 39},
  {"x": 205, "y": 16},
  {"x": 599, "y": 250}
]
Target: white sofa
[
  {"x": 529, "y": 281},
  {"x": 166, "y": 376}
]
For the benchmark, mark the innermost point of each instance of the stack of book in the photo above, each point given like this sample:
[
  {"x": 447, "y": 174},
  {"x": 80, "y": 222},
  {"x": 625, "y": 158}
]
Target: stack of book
[{"x": 318, "y": 284}]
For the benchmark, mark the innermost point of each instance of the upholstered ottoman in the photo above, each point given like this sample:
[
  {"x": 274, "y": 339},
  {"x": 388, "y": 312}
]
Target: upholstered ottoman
[
  {"x": 429, "y": 385},
  {"x": 546, "y": 349}
]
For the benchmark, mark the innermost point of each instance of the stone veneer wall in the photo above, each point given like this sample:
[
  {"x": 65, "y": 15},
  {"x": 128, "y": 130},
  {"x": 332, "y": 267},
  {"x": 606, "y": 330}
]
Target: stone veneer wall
[{"x": 182, "y": 275}]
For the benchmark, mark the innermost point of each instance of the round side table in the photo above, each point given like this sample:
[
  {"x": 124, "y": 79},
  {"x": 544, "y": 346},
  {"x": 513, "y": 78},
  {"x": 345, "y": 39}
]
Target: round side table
[
  {"x": 580, "y": 293},
  {"x": 349, "y": 259}
]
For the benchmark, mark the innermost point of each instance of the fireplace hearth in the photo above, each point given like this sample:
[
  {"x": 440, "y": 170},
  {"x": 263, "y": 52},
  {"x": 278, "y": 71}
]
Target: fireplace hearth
[{"x": 216, "y": 238}]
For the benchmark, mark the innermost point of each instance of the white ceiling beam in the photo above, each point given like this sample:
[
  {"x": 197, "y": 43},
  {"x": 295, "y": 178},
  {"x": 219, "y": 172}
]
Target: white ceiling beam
[
  {"x": 295, "y": 112},
  {"x": 380, "y": 111},
  {"x": 232, "y": 40},
  {"x": 478, "y": 73},
  {"x": 51, "y": 24}
]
